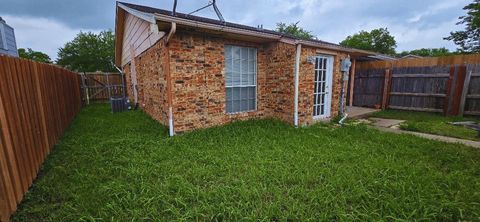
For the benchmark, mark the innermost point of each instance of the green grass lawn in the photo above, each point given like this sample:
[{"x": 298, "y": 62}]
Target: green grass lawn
[
  {"x": 124, "y": 167},
  {"x": 431, "y": 123}
]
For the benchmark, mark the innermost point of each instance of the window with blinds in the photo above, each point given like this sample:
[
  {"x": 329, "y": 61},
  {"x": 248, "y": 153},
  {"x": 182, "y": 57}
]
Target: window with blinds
[{"x": 241, "y": 78}]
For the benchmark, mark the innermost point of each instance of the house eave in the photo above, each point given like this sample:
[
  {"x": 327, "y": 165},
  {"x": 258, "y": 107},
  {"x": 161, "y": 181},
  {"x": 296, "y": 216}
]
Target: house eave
[
  {"x": 257, "y": 34},
  {"x": 119, "y": 27},
  {"x": 214, "y": 27}
]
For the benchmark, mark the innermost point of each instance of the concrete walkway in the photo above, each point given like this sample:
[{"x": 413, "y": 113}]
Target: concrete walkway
[{"x": 388, "y": 125}]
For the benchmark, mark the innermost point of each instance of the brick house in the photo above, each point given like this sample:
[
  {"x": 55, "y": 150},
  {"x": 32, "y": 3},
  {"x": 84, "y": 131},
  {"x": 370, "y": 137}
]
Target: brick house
[{"x": 190, "y": 72}]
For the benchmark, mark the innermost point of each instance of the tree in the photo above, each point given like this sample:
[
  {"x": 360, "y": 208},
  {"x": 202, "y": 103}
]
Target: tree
[
  {"x": 468, "y": 40},
  {"x": 34, "y": 55},
  {"x": 89, "y": 52},
  {"x": 295, "y": 30},
  {"x": 378, "y": 40},
  {"x": 433, "y": 52}
]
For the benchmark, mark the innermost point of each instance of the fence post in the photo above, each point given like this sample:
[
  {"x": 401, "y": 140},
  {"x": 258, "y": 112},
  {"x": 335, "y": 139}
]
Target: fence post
[
  {"x": 386, "y": 88},
  {"x": 84, "y": 83},
  {"x": 108, "y": 87},
  {"x": 455, "y": 86},
  {"x": 352, "y": 83},
  {"x": 466, "y": 85}
]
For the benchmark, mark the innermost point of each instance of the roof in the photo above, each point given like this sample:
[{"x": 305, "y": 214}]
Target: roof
[
  {"x": 378, "y": 57},
  {"x": 411, "y": 56},
  {"x": 151, "y": 14},
  {"x": 147, "y": 9}
]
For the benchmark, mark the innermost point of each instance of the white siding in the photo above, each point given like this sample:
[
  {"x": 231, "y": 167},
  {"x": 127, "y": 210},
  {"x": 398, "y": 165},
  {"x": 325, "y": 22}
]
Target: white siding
[{"x": 137, "y": 33}]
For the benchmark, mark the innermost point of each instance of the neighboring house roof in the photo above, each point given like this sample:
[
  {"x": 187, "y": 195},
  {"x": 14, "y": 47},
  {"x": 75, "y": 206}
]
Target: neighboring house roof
[
  {"x": 155, "y": 15},
  {"x": 411, "y": 56},
  {"x": 8, "y": 43},
  {"x": 377, "y": 58}
]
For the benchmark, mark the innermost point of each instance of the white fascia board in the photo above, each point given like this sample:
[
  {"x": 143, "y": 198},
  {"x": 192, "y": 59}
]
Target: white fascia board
[{"x": 149, "y": 17}]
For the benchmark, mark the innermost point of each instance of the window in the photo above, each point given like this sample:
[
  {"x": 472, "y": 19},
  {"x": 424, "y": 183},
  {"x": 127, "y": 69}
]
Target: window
[{"x": 241, "y": 78}]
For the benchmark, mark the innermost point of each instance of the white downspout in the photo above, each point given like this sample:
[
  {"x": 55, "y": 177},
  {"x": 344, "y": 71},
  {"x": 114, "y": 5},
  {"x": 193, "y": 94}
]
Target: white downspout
[
  {"x": 345, "y": 67},
  {"x": 297, "y": 71},
  {"x": 171, "y": 130}
]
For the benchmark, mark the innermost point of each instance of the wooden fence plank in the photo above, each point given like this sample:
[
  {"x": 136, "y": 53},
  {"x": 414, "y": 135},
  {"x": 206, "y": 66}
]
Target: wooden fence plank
[
  {"x": 37, "y": 103},
  {"x": 422, "y": 62},
  {"x": 10, "y": 185},
  {"x": 418, "y": 94},
  {"x": 453, "y": 71},
  {"x": 386, "y": 88},
  {"x": 368, "y": 87},
  {"x": 6, "y": 131},
  {"x": 23, "y": 158},
  {"x": 352, "y": 83},
  {"x": 416, "y": 109},
  {"x": 29, "y": 113},
  {"x": 25, "y": 124},
  {"x": 439, "y": 75},
  {"x": 41, "y": 109},
  {"x": 455, "y": 90},
  {"x": 473, "y": 113}
]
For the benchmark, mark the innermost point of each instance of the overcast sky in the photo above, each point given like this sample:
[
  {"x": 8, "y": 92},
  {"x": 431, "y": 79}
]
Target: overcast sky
[{"x": 46, "y": 25}]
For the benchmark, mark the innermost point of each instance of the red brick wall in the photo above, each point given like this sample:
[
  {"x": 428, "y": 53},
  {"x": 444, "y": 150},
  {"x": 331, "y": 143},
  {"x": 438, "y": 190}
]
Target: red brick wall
[
  {"x": 198, "y": 77},
  {"x": 152, "y": 97},
  {"x": 198, "y": 81},
  {"x": 280, "y": 81}
]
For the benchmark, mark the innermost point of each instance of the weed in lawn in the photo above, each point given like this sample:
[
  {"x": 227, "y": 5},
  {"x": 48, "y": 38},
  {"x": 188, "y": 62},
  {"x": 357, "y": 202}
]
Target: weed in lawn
[{"x": 123, "y": 166}]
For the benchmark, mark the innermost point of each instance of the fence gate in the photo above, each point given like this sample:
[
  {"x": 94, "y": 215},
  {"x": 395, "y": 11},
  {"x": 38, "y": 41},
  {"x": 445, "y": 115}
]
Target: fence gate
[
  {"x": 449, "y": 89},
  {"x": 101, "y": 87}
]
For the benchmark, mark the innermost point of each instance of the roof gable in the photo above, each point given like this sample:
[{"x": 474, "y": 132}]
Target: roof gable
[{"x": 155, "y": 14}]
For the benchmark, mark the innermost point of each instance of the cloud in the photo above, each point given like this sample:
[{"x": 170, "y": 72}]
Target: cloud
[
  {"x": 41, "y": 34},
  {"x": 92, "y": 14},
  {"x": 414, "y": 23},
  {"x": 436, "y": 8}
]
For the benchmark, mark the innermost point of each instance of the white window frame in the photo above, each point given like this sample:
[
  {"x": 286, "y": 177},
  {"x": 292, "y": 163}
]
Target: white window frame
[{"x": 227, "y": 86}]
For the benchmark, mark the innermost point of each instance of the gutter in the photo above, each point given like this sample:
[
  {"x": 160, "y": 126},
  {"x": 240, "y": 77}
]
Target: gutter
[
  {"x": 333, "y": 47},
  {"x": 215, "y": 27},
  {"x": 297, "y": 72},
  {"x": 171, "y": 130}
]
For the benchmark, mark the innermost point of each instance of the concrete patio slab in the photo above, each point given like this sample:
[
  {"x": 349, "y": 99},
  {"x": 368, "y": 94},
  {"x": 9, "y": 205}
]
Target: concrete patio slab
[{"x": 355, "y": 112}]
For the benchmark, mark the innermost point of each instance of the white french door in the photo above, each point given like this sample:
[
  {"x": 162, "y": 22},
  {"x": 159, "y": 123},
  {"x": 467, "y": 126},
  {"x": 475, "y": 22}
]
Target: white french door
[{"x": 322, "y": 93}]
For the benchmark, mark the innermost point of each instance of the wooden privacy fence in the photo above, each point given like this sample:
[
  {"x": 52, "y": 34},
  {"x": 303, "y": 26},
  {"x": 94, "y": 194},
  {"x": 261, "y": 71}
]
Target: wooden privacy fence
[
  {"x": 445, "y": 85},
  {"x": 98, "y": 86},
  {"x": 37, "y": 103}
]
